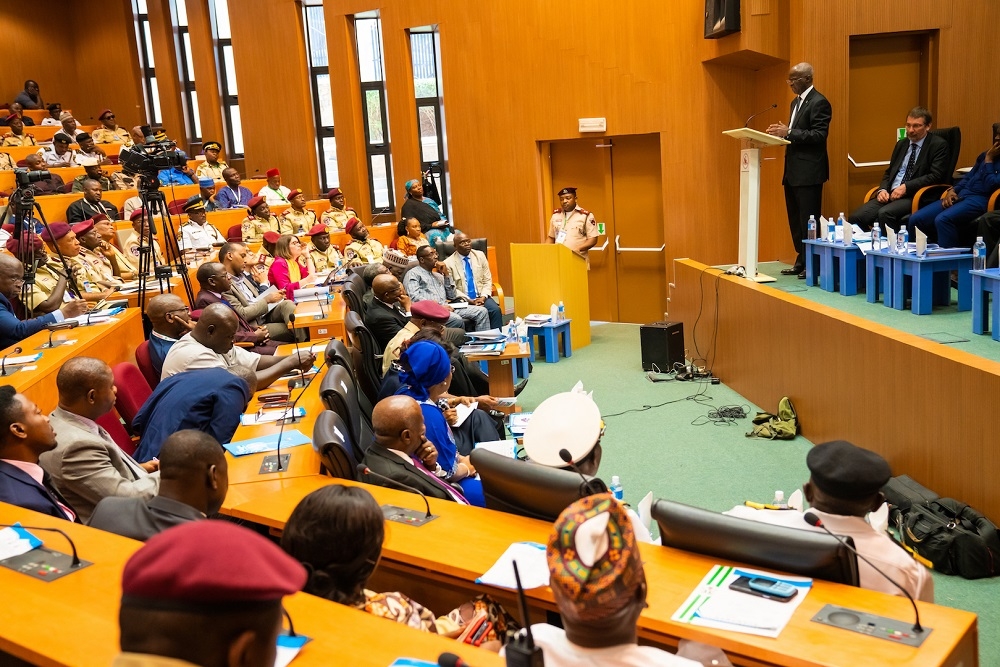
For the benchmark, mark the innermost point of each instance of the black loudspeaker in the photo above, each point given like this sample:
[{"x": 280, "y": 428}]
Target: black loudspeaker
[{"x": 662, "y": 345}]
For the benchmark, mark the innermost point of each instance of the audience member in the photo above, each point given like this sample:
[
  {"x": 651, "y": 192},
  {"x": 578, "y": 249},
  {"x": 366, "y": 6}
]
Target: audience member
[
  {"x": 844, "y": 486},
  {"x": 335, "y": 218},
  {"x": 171, "y": 319},
  {"x": 197, "y": 233},
  {"x": 55, "y": 110},
  {"x": 398, "y": 263},
  {"x": 267, "y": 245},
  {"x": 274, "y": 192},
  {"x": 92, "y": 204},
  {"x": 194, "y": 479},
  {"x": 368, "y": 274},
  {"x": 260, "y": 221},
  {"x": 106, "y": 230},
  {"x": 949, "y": 219},
  {"x": 89, "y": 149},
  {"x": 17, "y": 136},
  {"x": 92, "y": 172},
  {"x": 224, "y": 611},
  {"x": 97, "y": 258},
  {"x": 30, "y": 97},
  {"x": 410, "y": 236},
  {"x": 177, "y": 175},
  {"x": 321, "y": 255},
  {"x": 473, "y": 278},
  {"x": 389, "y": 311},
  {"x": 60, "y": 155},
  {"x": 289, "y": 270},
  {"x": 110, "y": 131},
  {"x": 297, "y": 216},
  {"x": 427, "y": 211},
  {"x": 139, "y": 238},
  {"x": 206, "y": 187},
  {"x": 69, "y": 125},
  {"x": 210, "y": 400},
  {"x": 18, "y": 111},
  {"x": 49, "y": 185},
  {"x": 212, "y": 167},
  {"x": 49, "y": 287},
  {"x": 215, "y": 281},
  {"x": 210, "y": 345},
  {"x": 988, "y": 226},
  {"x": 61, "y": 240},
  {"x": 12, "y": 329},
  {"x": 233, "y": 195},
  {"x": 431, "y": 280},
  {"x": 271, "y": 312},
  {"x": 572, "y": 225},
  {"x": 362, "y": 249},
  {"x": 6, "y": 162},
  {"x": 385, "y": 316},
  {"x": 86, "y": 464},
  {"x": 25, "y": 433}
]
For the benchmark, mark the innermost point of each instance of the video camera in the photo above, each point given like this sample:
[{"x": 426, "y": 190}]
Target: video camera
[
  {"x": 149, "y": 158},
  {"x": 25, "y": 177}
]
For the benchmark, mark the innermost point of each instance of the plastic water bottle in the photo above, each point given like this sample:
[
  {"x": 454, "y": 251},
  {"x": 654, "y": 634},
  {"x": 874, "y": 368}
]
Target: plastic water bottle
[
  {"x": 616, "y": 488},
  {"x": 511, "y": 332},
  {"x": 979, "y": 255},
  {"x": 522, "y": 344},
  {"x": 831, "y": 230},
  {"x": 876, "y": 238},
  {"x": 562, "y": 312},
  {"x": 779, "y": 499},
  {"x": 841, "y": 221},
  {"x": 811, "y": 228},
  {"x": 902, "y": 241}
]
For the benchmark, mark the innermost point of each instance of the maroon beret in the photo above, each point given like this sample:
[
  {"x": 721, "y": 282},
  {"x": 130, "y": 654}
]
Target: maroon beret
[
  {"x": 351, "y": 224},
  {"x": 8, "y": 227},
  {"x": 429, "y": 310},
  {"x": 317, "y": 229},
  {"x": 293, "y": 194},
  {"x": 57, "y": 229},
  {"x": 271, "y": 173},
  {"x": 255, "y": 202},
  {"x": 136, "y": 214},
  {"x": 100, "y": 217},
  {"x": 272, "y": 237},
  {"x": 82, "y": 228},
  {"x": 103, "y": 113},
  {"x": 14, "y": 246},
  {"x": 333, "y": 193}
]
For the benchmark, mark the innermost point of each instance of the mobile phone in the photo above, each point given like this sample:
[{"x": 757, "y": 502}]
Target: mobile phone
[
  {"x": 276, "y": 397},
  {"x": 480, "y": 634},
  {"x": 770, "y": 589},
  {"x": 472, "y": 627}
]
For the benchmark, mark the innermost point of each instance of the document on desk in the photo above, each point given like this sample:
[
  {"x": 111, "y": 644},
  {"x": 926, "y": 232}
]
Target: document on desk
[
  {"x": 713, "y": 604},
  {"x": 270, "y": 416},
  {"x": 263, "y": 296},
  {"x": 288, "y": 648},
  {"x": 531, "y": 566},
  {"x": 267, "y": 443},
  {"x": 15, "y": 541}
]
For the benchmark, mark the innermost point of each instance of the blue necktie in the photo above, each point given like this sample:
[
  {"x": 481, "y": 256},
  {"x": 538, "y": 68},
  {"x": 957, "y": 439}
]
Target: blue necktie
[{"x": 470, "y": 283}]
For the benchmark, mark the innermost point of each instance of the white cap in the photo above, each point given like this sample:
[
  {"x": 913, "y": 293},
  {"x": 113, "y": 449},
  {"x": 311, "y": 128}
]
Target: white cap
[
  {"x": 569, "y": 421},
  {"x": 87, "y": 161}
]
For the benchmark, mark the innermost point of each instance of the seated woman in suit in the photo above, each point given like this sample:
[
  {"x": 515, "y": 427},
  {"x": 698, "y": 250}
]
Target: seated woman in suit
[
  {"x": 289, "y": 271},
  {"x": 410, "y": 236}
]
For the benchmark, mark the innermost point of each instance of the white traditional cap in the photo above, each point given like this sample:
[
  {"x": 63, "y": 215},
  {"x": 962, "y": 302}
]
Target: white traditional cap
[
  {"x": 568, "y": 421},
  {"x": 87, "y": 161}
]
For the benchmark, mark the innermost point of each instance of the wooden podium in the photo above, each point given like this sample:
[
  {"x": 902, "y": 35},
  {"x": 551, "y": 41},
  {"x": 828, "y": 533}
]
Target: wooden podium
[
  {"x": 547, "y": 273},
  {"x": 753, "y": 141}
]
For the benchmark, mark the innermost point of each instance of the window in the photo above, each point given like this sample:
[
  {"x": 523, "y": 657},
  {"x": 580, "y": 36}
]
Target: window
[
  {"x": 425, "y": 53},
  {"x": 368, "y": 41},
  {"x": 227, "y": 79},
  {"x": 149, "y": 88},
  {"x": 186, "y": 68},
  {"x": 322, "y": 96}
]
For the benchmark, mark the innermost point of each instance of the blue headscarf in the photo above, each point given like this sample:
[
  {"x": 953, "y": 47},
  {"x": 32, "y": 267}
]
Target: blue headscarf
[{"x": 425, "y": 364}]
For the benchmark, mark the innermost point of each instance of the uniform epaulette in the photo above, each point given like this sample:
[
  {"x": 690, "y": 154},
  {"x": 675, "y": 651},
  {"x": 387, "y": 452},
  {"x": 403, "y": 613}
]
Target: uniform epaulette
[
  {"x": 556, "y": 210},
  {"x": 583, "y": 210}
]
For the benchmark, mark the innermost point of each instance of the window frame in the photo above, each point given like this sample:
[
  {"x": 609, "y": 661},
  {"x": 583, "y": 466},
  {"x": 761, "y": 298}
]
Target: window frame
[
  {"x": 385, "y": 147},
  {"x": 323, "y": 132},
  {"x": 149, "y": 87},
  {"x": 440, "y": 164}
]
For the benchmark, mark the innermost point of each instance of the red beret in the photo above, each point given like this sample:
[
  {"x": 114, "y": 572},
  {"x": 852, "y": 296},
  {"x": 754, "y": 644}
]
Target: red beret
[
  {"x": 430, "y": 310},
  {"x": 317, "y": 229},
  {"x": 271, "y": 173},
  {"x": 103, "y": 113},
  {"x": 272, "y": 237},
  {"x": 100, "y": 217},
  {"x": 209, "y": 562},
  {"x": 255, "y": 202},
  {"x": 351, "y": 224},
  {"x": 11, "y": 117},
  {"x": 82, "y": 228},
  {"x": 293, "y": 194},
  {"x": 8, "y": 227},
  {"x": 58, "y": 229},
  {"x": 14, "y": 246},
  {"x": 333, "y": 193},
  {"x": 137, "y": 213}
]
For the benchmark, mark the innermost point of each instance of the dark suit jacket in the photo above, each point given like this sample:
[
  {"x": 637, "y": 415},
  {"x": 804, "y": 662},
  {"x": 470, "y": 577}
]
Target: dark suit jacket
[
  {"x": 932, "y": 162},
  {"x": 141, "y": 519},
  {"x": 387, "y": 464},
  {"x": 384, "y": 322},
  {"x": 18, "y": 488},
  {"x": 78, "y": 212},
  {"x": 13, "y": 330},
  {"x": 244, "y": 332},
  {"x": 806, "y": 161}
]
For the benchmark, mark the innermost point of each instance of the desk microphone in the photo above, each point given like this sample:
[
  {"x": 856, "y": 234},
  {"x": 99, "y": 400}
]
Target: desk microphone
[
  {"x": 295, "y": 339},
  {"x": 365, "y": 470},
  {"x": 58, "y": 326},
  {"x": 3, "y": 362},
  {"x": 76, "y": 559},
  {"x": 521, "y": 650},
  {"x": 288, "y": 416},
  {"x": 759, "y": 113},
  {"x": 589, "y": 487},
  {"x": 322, "y": 313},
  {"x": 451, "y": 660},
  {"x": 813, "y": 520}
]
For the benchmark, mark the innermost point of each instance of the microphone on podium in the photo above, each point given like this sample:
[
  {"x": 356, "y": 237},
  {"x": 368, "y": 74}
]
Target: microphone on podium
[
  {"x": 590, "y": 487},
  {"x": 759, "y": 113},
  {"x": 322, "y": 312},
  {"x": 3, "y": 362},
  {"x": 366, "y": 471}
]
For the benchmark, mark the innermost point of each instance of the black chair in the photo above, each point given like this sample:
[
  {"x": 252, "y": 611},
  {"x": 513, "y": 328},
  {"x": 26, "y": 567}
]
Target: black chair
[
  {"x": 367, "y": 356},
  {"x": 337, "y": 354},
  {"x": 336, "y": 449},
  {"x": 527, "y": 489},
  {"x": 358, "y": 283},
  {"x": 339, "y": 394},
  {"x": 446, "y": 248},
  {"x": 353, "y": 299}
]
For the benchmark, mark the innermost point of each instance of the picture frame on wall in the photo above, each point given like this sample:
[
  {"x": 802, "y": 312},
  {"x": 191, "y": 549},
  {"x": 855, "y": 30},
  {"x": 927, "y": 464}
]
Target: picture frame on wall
[{"x": 722, "y": 17}]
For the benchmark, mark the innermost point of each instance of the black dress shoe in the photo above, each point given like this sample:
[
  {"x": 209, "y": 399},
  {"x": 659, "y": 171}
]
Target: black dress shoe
[
  {"x": 802, "y": 276},
  {"x": 794, "y": 271}
]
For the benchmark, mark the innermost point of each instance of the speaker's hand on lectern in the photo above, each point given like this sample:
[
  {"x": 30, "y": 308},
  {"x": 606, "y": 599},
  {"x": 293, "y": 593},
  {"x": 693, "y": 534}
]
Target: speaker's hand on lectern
[{"x": 778, "y": 130}]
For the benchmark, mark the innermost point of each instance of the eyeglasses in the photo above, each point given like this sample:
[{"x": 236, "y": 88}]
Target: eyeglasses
[{"x": 186, "y": 309}]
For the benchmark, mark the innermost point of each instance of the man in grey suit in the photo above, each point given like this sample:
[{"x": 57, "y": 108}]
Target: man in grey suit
[
  {"x": 194, "y": 478},
  {"x": 86, "y": 465},
  {"x": 244, "y": 289}
]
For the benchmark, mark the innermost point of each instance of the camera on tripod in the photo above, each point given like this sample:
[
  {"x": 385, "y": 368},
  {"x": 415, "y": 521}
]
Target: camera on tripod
[
  {"x": 25, "y": 177},
  {"x": 146, "y": 160}
]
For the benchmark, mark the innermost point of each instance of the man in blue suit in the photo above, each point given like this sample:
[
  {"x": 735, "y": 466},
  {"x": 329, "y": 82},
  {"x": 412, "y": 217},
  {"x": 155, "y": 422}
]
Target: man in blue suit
[
  {"x": 25, "y": 433},
  {"x": 12, "y": 329}
]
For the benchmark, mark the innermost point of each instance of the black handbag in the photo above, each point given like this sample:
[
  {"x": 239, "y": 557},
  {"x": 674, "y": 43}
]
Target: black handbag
[
  {"x": 903, "y": 492},
  {"x": 955, "y": 538}
]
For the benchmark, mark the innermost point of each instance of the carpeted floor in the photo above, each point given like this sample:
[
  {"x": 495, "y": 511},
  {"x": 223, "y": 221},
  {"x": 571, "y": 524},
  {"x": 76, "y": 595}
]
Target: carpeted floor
[{"x": 676, "y": 450}]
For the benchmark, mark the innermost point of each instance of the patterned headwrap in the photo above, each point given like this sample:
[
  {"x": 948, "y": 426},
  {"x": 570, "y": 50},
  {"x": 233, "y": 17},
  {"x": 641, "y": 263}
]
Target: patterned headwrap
[
  {"x": 409, "y": 184},
  {"x": 425, "y": 364},
  {"x": 593, "y": 558}
]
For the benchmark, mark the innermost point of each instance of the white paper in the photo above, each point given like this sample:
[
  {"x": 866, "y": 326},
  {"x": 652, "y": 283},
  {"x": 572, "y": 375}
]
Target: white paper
[
  {"x": 17, "y": 541},
  {"x": 463, "y": 411},
  {"x": 506, "y": 402},
  {"x": 531, "y": 567},
  {"x": 26, "y": 359},
  {"x": 269, "y": 416},
  {"x": 921, "y": 243},
  {"x": 890, "y": 239},
  {"x": 847, "y": 233},
  {"x": 458, "y": 305},
  {"x": 879, "y": 519},
  {"x": 795, "y": 500},
  {"x": 505, "y": 448}
]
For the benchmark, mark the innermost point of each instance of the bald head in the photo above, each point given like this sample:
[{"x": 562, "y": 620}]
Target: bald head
[
  {"x": 245, "y": 374},
  {"x": 169, "y": 315},
  {"x": 194, "y": 471},
  {"x": 386, "y": 288},
  {"x": 216, "y": 328},
  {"x": 79, "y": 375},
  {"x": 803, "y": 69},
  {"x": 11, "y": 263},
  {"x": 398, "y": 424}
]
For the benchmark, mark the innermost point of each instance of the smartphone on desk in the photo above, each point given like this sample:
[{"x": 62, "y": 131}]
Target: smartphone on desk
[{"x": 770, "y": 589}]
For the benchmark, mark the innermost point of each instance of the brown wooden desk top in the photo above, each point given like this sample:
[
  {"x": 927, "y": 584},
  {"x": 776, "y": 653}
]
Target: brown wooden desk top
[
  {"x": 73, "y": 621},
  {"x": 483, "y": 535}
]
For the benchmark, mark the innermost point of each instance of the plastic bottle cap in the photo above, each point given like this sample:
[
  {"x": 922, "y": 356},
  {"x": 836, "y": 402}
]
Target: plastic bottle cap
[
  {"x": 979, "y": 239},
  {"x": 779, "y": 495},
  {"x": 614, "y": 480}
]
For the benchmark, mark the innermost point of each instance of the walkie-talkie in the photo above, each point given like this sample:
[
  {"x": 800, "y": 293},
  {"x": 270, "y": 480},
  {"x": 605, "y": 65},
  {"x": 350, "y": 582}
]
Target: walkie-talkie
[{"x": 521, "y": 650}]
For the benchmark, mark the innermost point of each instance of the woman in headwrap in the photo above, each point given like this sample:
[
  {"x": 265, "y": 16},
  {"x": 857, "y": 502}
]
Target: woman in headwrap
[
  {"x": 427, "y": 211},
  {"x": 425, "y": 378},
  {"x": 411, "y": 236}
]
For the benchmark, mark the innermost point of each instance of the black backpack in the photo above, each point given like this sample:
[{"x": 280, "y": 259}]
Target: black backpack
[{"x": 955, "y": 538}]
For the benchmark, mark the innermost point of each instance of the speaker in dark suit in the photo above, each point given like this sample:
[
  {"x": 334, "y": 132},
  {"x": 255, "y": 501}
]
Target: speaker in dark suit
[{"x": 807, "y": 166}]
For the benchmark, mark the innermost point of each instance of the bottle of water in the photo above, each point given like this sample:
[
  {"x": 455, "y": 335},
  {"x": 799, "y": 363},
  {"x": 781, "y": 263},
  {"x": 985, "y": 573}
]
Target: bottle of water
[
  {"x": 876, "y": 238},
  {"x": 811, "y": 228},
  {"x": 522, "y": 344},
  {"x": 779, "y": 500},
  {"x": 831, "y": 231},
  {"x": 902, "y": 241},
  {"x": 562, "y": 312},
  {"x": 979, "y": 255},
  {"x": 512, "y": 332},
  {"x": 616, "y": 488},
  {"x": 841, "y": 221}
]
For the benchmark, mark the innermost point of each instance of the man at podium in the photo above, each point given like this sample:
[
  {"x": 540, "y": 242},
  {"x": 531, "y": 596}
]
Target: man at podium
[{"x": 572, "y": 225}]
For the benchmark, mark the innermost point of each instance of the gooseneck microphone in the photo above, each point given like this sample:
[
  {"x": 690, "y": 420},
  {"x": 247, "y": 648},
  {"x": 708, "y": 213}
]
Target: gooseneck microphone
[
  {"x": 3, "y": 362},
  {"x": 295, "y": 339},
  {"x": 322, "y": 312},
  {"x": 366, "y": 471},
  {"x": 813, "y": 520},
  {"x": 589, "y": 487},
  {"x": 290, "y": 416},
  {"x": 72, "y": 545},
  {"x": 521, "y": 651},
  {"x": 759, "y": 113},
  {"x": 451, "y": 660}
]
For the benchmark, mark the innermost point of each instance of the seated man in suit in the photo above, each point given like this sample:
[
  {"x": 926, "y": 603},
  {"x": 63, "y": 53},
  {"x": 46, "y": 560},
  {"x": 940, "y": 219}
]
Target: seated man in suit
[
  {"x": 917, "y": 161},
  {"x": 844, "y": 486},
  {"x": 402, "y": 453},
  {"x": 171, "y": 319},
  {"x": 92, "y": 204},
  {"x": 215, "y": 282},
  {"x": 12, "y": 329},
  {"x": 431, "y": 280},
  {"x": 87, "y": 465},
  {"x": 246, "y": 287},
  {"x": 210, "y": 345},
  {"x": 368, "y": 274},
  {"x": 389, "y": 310},
  {"x": 473, "y": 278},
  {"x": 25, "y": 433},
  {"x": 210, "y": 400},
  {"x": 194, "y": 478}
]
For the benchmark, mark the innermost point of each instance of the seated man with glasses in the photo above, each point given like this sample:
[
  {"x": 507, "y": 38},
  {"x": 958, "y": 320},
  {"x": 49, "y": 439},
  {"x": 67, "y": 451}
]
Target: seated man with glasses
[
  {"x": 171, "y": 319},
  {"x": 12, "y": 329}
]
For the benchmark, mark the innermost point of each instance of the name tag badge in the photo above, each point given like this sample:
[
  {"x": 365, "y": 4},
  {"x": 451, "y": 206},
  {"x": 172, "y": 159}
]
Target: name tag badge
[{"x": 561, "y": 236}]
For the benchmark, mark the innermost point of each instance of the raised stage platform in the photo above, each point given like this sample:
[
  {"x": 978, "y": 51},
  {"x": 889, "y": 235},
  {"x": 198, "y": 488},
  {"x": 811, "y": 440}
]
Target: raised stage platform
[{"x": 925, "y": 406}]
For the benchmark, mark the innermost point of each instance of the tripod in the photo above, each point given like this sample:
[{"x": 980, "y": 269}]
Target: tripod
[{"x": 155, "y": 206}]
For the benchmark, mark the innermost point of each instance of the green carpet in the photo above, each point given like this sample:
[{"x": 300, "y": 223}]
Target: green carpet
[{"x": 677, "y": 452}]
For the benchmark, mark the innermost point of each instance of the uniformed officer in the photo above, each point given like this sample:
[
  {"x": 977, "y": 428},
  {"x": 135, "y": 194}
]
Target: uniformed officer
[
  {"x": 59, "y": 236},
  {"x": 92, "y": 169},
  {"x": 17, "y": 135},
  {"x": 212, "y": 166},
  {"x": 297, "y": 216},
  {"x": 363, "y": 249},
  {"x": 573, "y": 225},
  {"x": 335, "y": 218},
  {"x": 96, "y": 255},
  {"x": 140, "y": 226},
  {"x": 110, "y": 132},
  {"x": 197, "y": 234},
  {"x": 266, "y": 254},
  {"x": 106, "y": 230},
  {"x": 6, "y": 164},
  {"x": 260, "y": 220},
  {"x": 320, "y": 253},
  {"x": 49, "y": 287}
]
